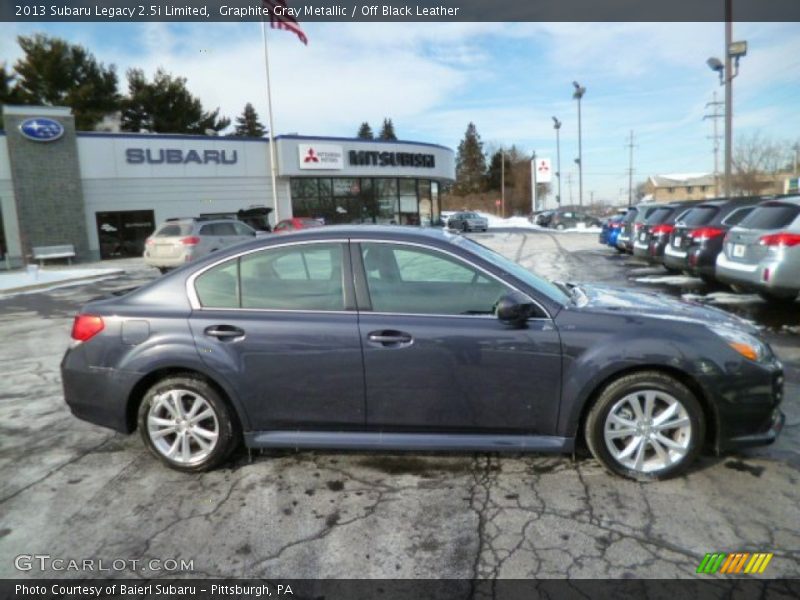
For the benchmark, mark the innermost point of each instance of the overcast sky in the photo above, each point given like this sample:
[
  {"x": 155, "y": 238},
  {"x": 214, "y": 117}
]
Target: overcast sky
[{"x": 509, "y": 79}]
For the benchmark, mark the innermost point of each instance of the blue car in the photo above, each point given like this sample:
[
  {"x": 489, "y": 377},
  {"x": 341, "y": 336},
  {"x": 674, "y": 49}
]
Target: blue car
[{"x": 610, "y": 231}]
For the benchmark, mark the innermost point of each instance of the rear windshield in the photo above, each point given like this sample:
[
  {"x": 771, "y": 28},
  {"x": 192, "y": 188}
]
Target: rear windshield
[
  {"x": 644, "y": 214},
  {"x": 771, "y": 216},
  {"x": 659, "y": 215},
  {"x": 174, "y": 230},
  {"x": 630, "y": 215},
  {"x": 736, "y": 216},
  {"x": 699, "y": 215}
]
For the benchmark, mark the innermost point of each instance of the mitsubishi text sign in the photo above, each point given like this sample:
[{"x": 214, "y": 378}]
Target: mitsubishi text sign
[
  {"x": 544, "y": 173},
  {"x": 320, "y": 156}
]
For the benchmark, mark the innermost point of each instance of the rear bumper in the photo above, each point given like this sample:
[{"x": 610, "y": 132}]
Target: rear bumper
[
  {"x": 169, "y": 262},
  {"x": 767, "y": 275},
  {"x": 674, "y": 258},
  {"x": 94, "y": 394}
]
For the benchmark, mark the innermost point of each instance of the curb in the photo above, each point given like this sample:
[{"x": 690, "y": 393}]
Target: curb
[{"x": 62, "y": 282}]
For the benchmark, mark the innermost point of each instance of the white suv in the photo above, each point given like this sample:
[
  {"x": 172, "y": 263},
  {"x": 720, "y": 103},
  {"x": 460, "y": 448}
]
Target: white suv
[{"x": 177, "y": 241}]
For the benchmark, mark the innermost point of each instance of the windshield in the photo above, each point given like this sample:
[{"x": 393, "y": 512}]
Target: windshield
[
  {"x": 771, "y": 216},
  {"x": 699, "y": 215},
  {"x": 538, "y": 283}
]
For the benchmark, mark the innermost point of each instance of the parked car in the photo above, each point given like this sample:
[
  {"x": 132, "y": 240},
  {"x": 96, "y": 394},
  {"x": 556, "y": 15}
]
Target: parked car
[
  {"x": 444, "y": 216},
  {"x": 570, "y": 219},
  {"x": 631, "y": 224},
  {"x": 178, "y": 241},
  {"x": 696, "y": 240},
  {"x": 295, "y": 224},
  {"x": 611, "y": 228},
  {"x": 653, "y": 235},
  {"x": 420, "y": 340},
  {"x": 763, "y": 251},
  {"x": 468, "y": 221},
  {"x": 542, "y": 218}
]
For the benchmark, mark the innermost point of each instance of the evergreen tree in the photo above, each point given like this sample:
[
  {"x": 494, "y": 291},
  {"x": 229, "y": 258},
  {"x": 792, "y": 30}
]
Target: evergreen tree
[
  {"x": 387, "y": 131},
  {"x": 494, "y": 175},
  {"x": 9, "y": 92},
  {"x": 470, "y": 164},
  {"x": 166, "y": 106},
  {"x": 55, "y": 73},
  {"x": 365, "y": 132},
  {"x": 248, "y": 125}
]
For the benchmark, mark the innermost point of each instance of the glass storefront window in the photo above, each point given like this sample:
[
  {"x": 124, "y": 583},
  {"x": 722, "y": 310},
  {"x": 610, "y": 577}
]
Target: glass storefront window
[
  {"x": 425, "y": 204},
  {"x": 386, "y": 196},
  {"x": 409, "y": 211}
]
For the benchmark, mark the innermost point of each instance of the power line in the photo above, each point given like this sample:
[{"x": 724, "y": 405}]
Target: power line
[{"x": 716, "y": 137}]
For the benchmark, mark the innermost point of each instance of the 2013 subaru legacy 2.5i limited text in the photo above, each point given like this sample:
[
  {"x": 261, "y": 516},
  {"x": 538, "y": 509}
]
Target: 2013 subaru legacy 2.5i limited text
[{"x": 395, "y": 338}]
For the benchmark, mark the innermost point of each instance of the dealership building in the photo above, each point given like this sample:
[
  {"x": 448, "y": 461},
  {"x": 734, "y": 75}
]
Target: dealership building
[{"x": 104, "y": 193}]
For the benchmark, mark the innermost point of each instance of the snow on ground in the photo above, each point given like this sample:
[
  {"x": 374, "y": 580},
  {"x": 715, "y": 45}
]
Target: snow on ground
[
  {"x": 524, "y": 223},
  {"x": 42, "y": 278},
  {"x": 724, "y": 298},
  {"x": 669, "y": 280}
]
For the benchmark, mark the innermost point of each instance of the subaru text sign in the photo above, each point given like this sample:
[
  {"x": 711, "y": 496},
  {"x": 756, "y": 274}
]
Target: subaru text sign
[
  {"x": 41, "y": 129},
  {"x": 320, "y": 156}
]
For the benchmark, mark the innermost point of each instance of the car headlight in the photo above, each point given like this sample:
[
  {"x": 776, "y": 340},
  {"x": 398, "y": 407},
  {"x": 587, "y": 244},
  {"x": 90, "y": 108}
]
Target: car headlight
[{"x": 745, "y": 344}]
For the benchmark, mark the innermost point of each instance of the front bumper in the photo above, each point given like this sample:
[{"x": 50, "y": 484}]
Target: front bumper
[{"x": 763, "y": 438}]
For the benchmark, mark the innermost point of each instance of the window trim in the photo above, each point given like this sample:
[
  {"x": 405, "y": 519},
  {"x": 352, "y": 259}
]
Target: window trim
[
  {"x": 362, "y": 287},
  {"x": 347, "y": 279}
]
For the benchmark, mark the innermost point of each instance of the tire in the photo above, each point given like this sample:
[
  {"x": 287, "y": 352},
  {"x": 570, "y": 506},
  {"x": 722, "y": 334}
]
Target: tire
[
  {"x": 560, "y": 227},
  {"x": 787, "y": 298},
  {"x": 163, "y": 270},
  {"x": 220, "y": 421},
  {"x": 465, "y": 228},
  {"x": 644, "y": 462}
]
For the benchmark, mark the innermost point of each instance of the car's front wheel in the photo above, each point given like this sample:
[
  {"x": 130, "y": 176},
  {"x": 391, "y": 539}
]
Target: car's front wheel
[
  {"x": 186, "y": 424},
  {"x": 645, "y": 426}
]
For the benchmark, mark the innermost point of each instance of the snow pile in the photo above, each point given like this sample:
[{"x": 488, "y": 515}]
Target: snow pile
[
  {"x": 34, "y": 277},
  {"x": 669, "y": 280},
  {"x": 724, "y": 298},
  {"x": 524, "y": 223}
]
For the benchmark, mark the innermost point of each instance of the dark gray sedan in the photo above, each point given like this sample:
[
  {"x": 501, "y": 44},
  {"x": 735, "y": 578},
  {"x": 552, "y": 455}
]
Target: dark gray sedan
[
  {"x": 393, "y": 338},
  {"x": 468, "y": 221}
]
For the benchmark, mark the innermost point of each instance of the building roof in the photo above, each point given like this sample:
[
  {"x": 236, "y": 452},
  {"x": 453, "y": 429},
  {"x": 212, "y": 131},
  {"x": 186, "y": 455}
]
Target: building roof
[{"x": 682, "y": 179}]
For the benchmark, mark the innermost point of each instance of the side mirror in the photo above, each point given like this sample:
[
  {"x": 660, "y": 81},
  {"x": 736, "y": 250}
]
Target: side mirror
[{"x": 513, "y": 308}]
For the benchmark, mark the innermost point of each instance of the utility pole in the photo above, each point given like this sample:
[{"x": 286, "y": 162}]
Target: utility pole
[
  {"x": 569, "y": 183},
  {"x": 715, "y": 115},
  {"x": 534, "y": 200},
  {"x": 503, "y": 182},
  {"x": 728, "y": 96},
  {"x": 630, "y": 169}
]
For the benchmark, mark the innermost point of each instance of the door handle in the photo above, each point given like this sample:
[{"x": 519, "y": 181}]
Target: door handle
[
  {"x": 390, "y": 338},
  {"x": 224, "y": 332}
]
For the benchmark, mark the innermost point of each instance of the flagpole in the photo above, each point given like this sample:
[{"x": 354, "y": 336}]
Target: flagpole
[{"x": 273, "y": 166}]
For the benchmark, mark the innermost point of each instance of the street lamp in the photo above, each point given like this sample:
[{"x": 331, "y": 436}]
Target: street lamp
[
  {"x": 557, "y": 127},
  {"x": 577, "y": 95},
  {"x": 727, "y": 71}
]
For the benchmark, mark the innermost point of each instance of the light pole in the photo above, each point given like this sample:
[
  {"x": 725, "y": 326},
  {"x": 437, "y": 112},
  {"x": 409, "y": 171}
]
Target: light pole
[
  {"x": 727, "y": 71},
  {"x": 557, "y": 127},
  {"x": 503, "y": 182},
  {"x": 577, "y": 95},
  {"x": 534, "y": 200}
]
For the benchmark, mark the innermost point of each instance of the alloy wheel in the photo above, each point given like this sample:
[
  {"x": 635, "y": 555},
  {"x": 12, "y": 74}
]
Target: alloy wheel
[
  {"x": 648, "y": 431},
  {"x": 183, "y": 426}
]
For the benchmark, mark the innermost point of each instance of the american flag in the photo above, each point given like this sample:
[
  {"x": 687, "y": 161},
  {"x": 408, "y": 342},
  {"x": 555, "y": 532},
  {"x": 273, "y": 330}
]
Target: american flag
[{"x": 284, "y": 21}]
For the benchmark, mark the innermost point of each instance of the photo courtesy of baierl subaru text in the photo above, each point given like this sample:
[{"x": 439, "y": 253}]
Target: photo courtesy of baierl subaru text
[{"x": 429, "y": 300}]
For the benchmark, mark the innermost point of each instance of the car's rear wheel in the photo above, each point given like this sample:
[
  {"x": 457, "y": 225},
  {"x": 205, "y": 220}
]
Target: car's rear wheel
[
  {"x": 560, "y": 227},
  {"x": 186, "y": 424},
  {"x": 645, "y": 426}
]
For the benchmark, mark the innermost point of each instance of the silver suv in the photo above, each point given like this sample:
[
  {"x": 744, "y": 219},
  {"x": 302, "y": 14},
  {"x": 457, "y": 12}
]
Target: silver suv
[
  {"x": 178, "y": 241},
  {"x": 763, "y": 251}
]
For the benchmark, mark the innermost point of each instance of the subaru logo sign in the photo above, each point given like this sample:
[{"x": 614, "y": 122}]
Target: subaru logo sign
[{"x": 41, "y": 129}]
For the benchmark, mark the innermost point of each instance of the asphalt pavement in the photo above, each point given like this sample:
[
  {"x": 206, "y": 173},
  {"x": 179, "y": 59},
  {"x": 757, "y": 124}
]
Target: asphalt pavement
[{"x": 69, "y": 489}]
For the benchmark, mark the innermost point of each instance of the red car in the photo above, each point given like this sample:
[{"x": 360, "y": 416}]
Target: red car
[{"x": 295, "y": 223}]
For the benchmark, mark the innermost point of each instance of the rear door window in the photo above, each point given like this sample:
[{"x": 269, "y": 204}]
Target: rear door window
[{"x": 771, "y": 216}]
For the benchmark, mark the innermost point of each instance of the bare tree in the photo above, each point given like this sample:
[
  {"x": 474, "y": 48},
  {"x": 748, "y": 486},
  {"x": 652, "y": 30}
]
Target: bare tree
[{"x": 756, "y": 161}]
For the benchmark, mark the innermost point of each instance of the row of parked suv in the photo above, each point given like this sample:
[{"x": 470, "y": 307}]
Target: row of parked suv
[{"x": 749, "y": 243}]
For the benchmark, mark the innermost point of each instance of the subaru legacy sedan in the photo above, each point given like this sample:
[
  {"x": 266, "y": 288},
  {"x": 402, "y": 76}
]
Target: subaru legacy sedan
[{"x": 417, "y": 340}]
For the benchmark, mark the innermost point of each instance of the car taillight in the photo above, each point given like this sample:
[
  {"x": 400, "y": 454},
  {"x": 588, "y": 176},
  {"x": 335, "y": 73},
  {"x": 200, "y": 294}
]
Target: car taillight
[
  {"x": 780, "y": 239},
  {"x": 662, "y": 229},
  {"x": 149, "y": 242},
  {"x": 706, "y": 233},
  {"x": 192, "y": 240},
  {"x": 85, "y": 327},
  {"x": 638, "y": 226}
]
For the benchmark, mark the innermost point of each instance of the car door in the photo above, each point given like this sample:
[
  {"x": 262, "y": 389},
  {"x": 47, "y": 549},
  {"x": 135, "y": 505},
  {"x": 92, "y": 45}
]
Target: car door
[
  {"x": 435, "y": 357},
  {"x": 280, "y": 325}
]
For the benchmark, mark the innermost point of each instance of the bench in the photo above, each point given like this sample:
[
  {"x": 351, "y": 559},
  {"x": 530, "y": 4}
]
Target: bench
[{"x": 42, "y": 253}]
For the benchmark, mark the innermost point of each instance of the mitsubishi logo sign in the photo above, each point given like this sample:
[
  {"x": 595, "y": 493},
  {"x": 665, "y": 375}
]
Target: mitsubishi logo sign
[
  {"x": 320, "y": 157},
  {"x": 544, "y": 173}
]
